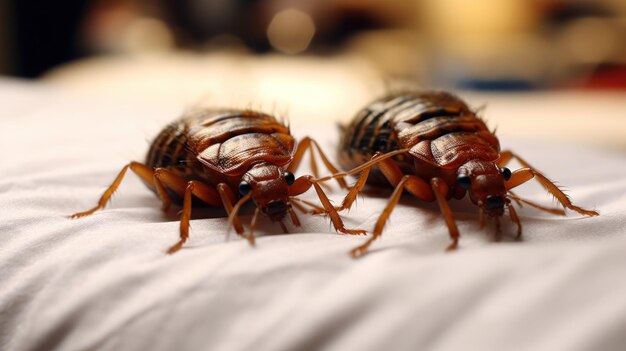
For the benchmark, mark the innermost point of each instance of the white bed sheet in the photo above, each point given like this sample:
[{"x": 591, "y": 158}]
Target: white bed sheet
[{"x": 104, "y": 281}]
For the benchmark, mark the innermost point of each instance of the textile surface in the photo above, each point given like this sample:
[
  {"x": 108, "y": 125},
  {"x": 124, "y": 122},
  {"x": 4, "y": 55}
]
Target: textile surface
[{"x": 105, "y": 282}]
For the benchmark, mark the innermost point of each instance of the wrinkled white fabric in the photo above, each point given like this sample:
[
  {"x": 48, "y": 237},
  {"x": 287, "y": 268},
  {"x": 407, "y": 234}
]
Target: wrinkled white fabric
[{"x": 105, "y": 282}]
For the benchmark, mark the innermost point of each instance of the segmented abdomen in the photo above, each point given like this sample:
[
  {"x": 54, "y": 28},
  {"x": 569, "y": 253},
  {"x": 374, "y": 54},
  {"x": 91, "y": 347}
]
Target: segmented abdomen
[
  {"x": 219, "y": 139},
  {"x": 437, "y": 127},
  {"x": 169, "y": 148}
]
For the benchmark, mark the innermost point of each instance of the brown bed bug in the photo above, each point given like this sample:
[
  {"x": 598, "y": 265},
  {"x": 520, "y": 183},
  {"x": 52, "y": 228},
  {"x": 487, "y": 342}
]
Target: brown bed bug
[
  {"x": 226, "y": 158},
  {"x": 435, "y": 147}
]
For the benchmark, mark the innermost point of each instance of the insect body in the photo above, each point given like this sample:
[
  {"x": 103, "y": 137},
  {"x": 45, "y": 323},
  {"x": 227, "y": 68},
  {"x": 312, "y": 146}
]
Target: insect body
[
  {"x": 226, "y": 158},
  {"x": 435, "y": 147}
]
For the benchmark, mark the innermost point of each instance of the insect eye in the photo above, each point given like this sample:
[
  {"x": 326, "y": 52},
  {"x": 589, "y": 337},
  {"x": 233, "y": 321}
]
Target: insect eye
[
  {"x": 506, "y": 173},
  {"x": 464, "y": 181},
  {"x": 244, "y": 188},
  {"x": 289, "y": 178}
]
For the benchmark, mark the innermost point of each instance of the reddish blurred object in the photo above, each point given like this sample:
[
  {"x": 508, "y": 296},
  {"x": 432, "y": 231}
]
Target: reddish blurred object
[{"x": 607, "y": 77}]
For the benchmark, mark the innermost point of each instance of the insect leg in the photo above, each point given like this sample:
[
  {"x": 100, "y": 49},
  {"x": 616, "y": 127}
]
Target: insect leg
[
  {"x": 505, "y": 158},
  {"x": 162, "y": 192},
  {"x": 364, "y": 170},
  {"x": 350, "y": 197},
  {"x": 523, "y": 175},
  {"x": 308, "y": 144},
  {"x": 316, "y": 209},
  {"x": 393, "y": 173},
  {"x": 516, "y": 198},
  {"x": 556, "y": 211},
  {"x": 184, "y": 220},
  {"x": 408, "y": 182},
  {"x": 507, "y": 155},
  {"x": 187, "y": 189},
  {"x": 166, "y": 179},
  {"x": 254, "y": 220},
  {"x": 528, "y": 173},
  {"x": 303, "y": 184},
  {"x": 515, "y": 219},
  {"x": 229, "y": 200},
  {"x": 299, "y": 207},
  {"x": 144, "y": 172},
  {"x": 441, "y": 190},
  {"x": 294, "y": 218},
  {"x": 375, "y": 159}
]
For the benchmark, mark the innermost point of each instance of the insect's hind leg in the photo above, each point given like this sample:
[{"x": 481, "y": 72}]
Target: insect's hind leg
[
  {"x": 527, "y": 173},
  {"x": 144, "y": 172}
]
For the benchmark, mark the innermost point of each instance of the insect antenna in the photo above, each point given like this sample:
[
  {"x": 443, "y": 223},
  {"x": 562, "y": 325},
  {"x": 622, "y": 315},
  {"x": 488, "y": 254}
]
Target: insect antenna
[
  {"x": 236, "y": 209},
  {"x": 556, "y": 211},
  {"x": 253, "y": 221}
]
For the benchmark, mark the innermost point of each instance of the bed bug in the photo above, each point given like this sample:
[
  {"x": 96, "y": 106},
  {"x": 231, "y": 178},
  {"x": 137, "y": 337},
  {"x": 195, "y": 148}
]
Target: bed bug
[
  {"x": 226, "y": 158},
  {"x": 434, "y": 146}
]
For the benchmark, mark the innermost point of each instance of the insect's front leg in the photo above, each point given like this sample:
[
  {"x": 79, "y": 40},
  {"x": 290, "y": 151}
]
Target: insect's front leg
[
  {"x": 229, "y": 200},
  {"x": 405, "y": 182},
  {"x": 303, "y": 184},
  {"x": 527, "y": 173},
  {"x": 437, "y": 189},
  {"x": 413, "y": 184},
  {"x": 169, "y": 180}
]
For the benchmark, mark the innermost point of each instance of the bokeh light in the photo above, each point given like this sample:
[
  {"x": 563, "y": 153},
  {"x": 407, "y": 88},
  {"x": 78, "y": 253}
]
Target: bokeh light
[{"x": 291, "y": 31}]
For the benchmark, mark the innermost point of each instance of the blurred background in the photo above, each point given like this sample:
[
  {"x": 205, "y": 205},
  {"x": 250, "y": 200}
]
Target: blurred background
[
  {"x": 547, "y": 69},
  {"x": 488, "y": 44}
]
